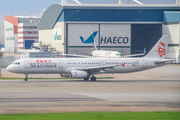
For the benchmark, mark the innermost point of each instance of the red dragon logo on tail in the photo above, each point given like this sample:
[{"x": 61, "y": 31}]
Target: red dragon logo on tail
[{"x": 161, "y": 49}]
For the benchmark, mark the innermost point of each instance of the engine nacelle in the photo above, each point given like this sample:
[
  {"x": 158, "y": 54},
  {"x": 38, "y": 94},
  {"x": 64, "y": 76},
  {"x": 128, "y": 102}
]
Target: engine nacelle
[
  {"x": 78, "y": 74},
  {"x": 65, "y": 75}
]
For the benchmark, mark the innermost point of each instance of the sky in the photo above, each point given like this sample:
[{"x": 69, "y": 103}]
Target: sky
[{"x": 34, "y": 7}]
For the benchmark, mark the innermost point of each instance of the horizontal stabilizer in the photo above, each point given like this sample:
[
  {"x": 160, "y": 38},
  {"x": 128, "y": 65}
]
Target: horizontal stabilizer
[{"x": 165, "y": 61}]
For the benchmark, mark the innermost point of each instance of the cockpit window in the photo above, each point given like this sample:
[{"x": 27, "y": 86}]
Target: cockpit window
[{"x": 16, "y": 63}]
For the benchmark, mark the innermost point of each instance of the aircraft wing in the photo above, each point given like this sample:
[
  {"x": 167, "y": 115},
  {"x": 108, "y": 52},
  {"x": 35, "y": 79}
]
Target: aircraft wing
[
  {"x": 163, "y": 61},
  {"x": 76, "y": 55},
  {"x": 136, "y": 54},
  {"x": 97, "y": 69},
  {"x": 87, "y": 53}
]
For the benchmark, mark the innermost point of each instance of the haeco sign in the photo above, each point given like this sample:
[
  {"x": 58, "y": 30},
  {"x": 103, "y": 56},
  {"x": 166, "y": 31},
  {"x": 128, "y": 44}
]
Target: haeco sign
[
  {"x": 105, "y": 40},
  {"x": 114, "y": 40}
]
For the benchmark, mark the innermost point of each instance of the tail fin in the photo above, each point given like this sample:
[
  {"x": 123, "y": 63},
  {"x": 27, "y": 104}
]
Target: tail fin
[
  {"x": 94, "y": 46},
  {"x": 160, "y": 48}
]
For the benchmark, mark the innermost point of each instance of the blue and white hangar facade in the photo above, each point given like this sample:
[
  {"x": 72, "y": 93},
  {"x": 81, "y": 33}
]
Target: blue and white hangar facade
[{"x": 125, "y": 28}]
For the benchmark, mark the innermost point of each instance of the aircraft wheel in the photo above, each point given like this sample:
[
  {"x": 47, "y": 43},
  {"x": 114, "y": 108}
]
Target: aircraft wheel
[
  {"x": 93, "y": 78},
  {"x": 86, "y": 79},
  {"x": 26, "y": 78}
]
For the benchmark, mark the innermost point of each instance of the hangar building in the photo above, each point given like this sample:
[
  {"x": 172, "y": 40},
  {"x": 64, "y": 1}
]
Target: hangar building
[{"x": 125, "y": 28}]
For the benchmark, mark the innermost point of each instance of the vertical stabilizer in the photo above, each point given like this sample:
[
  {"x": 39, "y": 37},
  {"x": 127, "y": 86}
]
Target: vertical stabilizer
[
  {"x": 160, "y": 48},
  {"x": 94, "y": 46}
]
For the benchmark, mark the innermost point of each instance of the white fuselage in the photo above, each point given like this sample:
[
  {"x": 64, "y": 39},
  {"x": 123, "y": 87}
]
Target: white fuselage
[
  {"x": 106, "y": 54},
  {"x": 65, "y": 65}
]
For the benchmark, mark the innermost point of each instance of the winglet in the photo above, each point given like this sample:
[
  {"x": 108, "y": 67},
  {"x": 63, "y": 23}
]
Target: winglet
[{"x": 160, "y": 48}]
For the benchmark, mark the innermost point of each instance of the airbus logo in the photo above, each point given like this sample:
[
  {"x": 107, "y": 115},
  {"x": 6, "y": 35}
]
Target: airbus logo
[
  {"x": 57, "y": 37},
  {"x": 90, "y": 39}
]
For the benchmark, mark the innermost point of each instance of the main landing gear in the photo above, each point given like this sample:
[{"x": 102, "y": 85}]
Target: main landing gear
[
  {"x": 86, "y": 79},
  {"x": 26, "y": 78},
  {"x": 93, "y": 78}
]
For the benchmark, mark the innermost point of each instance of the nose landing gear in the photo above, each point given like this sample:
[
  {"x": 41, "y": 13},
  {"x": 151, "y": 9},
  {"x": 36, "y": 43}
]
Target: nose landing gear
[{"x": 26, "y": 78}]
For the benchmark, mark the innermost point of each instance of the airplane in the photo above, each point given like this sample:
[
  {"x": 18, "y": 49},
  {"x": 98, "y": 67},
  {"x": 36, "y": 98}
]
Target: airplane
[
  {"x": 112, "y": 54},
  {"x": 86, "y": 67}
]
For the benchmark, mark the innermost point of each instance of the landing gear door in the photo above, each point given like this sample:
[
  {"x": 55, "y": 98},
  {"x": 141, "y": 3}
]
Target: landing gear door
[
  {"x": 101, "y": 63},
  {"x": 145, "y": 63},
  {"x": 27, "y": 64},
  {"x": 60, "y": 63}
]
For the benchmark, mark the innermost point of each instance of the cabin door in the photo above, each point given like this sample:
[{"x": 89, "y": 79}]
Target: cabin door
[
  {"x": 27, "y": 64},
  {"x": 145, "y": 63},
  {"x": 101, "y": 63},
  {"x": 60, "y": 63}
]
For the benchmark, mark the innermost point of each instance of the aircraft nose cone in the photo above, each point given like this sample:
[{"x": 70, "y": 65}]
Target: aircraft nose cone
[{"x": 9, "y": 68}]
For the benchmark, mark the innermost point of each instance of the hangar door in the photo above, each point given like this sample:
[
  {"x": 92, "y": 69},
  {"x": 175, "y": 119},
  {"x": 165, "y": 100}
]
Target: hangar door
[
  {"x": 113, "y": 37},
  {"x": 79, "y": 37}
]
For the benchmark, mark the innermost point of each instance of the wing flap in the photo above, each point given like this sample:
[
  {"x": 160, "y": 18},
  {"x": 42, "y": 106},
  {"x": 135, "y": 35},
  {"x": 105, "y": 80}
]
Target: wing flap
[{"x": 98, "y": 67}]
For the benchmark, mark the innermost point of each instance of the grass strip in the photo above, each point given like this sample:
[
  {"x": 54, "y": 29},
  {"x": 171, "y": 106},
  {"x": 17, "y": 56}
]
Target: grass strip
[
  {"x": 95, "y": 116},
  {"x": 5, "y": 66},
  {"x": 7, "y": 78}
]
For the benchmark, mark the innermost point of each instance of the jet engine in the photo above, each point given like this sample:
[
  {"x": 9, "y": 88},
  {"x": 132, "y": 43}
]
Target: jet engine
[{"x": 78, "y": 74}]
